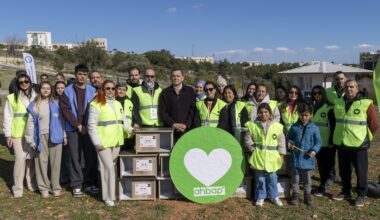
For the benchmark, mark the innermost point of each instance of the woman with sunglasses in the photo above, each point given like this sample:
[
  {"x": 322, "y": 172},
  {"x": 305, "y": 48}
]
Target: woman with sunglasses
[
  {"x": 106, "y": 126},
  {"x": 237, "y": 113},
  {"x": 14, "y": 124},
  {"x": 323, "y": 117},
  {"x": 46, "y": 135},
  {"x": 212, "y": 111},
  {"x": 289, "y": 113}
]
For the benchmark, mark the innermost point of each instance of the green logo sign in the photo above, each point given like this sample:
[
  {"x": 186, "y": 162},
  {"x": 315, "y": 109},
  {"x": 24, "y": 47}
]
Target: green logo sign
[{"x": 207, "y": 165}]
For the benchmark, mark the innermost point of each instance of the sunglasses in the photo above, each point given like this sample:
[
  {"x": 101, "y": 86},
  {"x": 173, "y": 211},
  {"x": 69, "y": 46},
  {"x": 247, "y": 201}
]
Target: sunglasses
[
  {"x": 149, "y": 76},
  {"x": 293, "y": 92},
  {"x": 23, "y": 82},
  {"x": 209, "y": 89},
  {"x": 317, "y": 93},
  {"x": 110, "y": 88}
]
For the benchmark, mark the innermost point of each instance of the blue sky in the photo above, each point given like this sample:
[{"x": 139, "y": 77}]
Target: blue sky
[{"x": 270, "y": 31}]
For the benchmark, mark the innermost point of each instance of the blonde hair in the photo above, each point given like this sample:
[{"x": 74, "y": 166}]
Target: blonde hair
[{"x": 38, "y": 99}]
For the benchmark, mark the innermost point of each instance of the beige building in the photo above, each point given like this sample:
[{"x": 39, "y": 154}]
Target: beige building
[
  {"x": 100, "y": 42},
  {"x": 39, "y": 38}
]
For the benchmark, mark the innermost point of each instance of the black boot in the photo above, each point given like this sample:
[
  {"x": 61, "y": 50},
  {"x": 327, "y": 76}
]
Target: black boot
[
  {"x": 294, "y": 199},
  {"x": 308, "y": 200}
]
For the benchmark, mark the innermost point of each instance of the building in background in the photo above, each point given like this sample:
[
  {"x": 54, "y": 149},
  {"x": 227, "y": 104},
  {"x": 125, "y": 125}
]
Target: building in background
[
  {"x": 198, "y": 59},
  {"x": 100, "y": 42},
  {"x": 254, "y": 63},
  {"x": 368, "y": 60},
  {"x": 39, "y": 38}
]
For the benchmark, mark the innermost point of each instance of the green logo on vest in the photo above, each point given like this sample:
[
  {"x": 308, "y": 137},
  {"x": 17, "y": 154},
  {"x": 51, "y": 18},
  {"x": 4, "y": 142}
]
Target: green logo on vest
[
  {"x": 206, "y": 168},
  {"x": 274, "y": 136},
  {"x": 323, "y": 114},
  {"x": 356, "y": 111}
]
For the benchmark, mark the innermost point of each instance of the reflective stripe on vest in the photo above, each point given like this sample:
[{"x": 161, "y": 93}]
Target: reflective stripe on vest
[
  {"x": 289, "y": 118},
  {"x": 265, "y": 156},
  {"x": 238, "y": 108},
  {"x": 128, "y": 108},
  {"x": 148, "y": 102},
  {"x": 320, "y": 119},
  {"x": 20, "y": 117},
  {"x": 110, "y": 124},
  {"x": 351, "y": 128},
  {"x": 210, "y": 119}
]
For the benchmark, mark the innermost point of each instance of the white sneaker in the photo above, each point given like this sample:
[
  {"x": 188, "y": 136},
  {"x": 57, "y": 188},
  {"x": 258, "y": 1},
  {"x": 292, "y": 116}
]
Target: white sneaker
[
  {"x": 109, "y": 203},
  {"x": 259, "y": 202},
  {"x": 277, "y": 202}
]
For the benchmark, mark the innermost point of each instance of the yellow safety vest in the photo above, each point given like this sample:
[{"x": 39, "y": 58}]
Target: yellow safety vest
[
  {"x": 20, "y": 116},
  {"x": 110, "y": 124},
  {"x": 351, "y": 127},
  {"x": 266, "y": 155},
  {"x": 238, "y": 108},
  {"x": 289, "y": 118},
  {"x": 129, "y": 91},
  {"x": 332, "y": 96},
  {"x": 128, "y": 108},
  {"x": 321, "y": 119},
  {"x": 148, "y": 105},
  {"x": 210, "y": 119}
]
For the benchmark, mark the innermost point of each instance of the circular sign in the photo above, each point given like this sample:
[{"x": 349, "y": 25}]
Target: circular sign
[
  {"x": 207, "y": 165},
  {"x": 356, "y": 111},
  {"x": 28, "y": 59},
  {"x": 323, "y": 115}
]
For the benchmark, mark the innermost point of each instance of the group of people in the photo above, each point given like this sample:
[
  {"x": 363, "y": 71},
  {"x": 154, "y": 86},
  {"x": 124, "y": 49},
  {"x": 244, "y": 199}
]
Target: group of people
[{"x": 51, "y": 127}]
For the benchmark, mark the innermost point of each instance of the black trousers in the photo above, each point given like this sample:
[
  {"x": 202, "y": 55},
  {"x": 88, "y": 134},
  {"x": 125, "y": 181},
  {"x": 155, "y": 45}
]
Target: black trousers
[
  {"x": 76, "y": 144},
  {"x": 326, "y": 164},
  {"x": 357, "y": 158}
]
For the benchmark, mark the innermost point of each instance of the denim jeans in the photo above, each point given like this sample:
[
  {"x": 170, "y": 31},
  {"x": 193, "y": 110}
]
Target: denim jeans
[
  {"x": 298, "y": 173},
  {"x": 265, "y": 185}
]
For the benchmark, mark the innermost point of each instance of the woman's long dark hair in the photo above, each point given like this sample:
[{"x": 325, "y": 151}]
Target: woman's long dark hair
[
  {"x": 18, "y": 88},
  {"x": 232, "y": 88},
  {"x": 283, "y": 89},
  {"x": 299, "y": 100},
  {"x": 246, "y": 97},
  {"x": 323, "y": 92}
]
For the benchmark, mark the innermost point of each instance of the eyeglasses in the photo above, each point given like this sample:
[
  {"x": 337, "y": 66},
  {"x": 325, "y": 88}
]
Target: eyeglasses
[
  {"x": 293, "y": 92},
  {"x": 110, "y": 88},
  {"x": 209, "y": 90},
  {"x": 23, "y": 82},
  {"x": 317, "y": 93},
  {"x": 149, "y": 76}
]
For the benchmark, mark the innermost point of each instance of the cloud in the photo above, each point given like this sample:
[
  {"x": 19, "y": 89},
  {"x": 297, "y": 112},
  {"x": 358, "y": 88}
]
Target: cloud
[
  {"x": 284, "y": 50},
  {"x": 331, "y": 47},
  {"x": 309, "y": 49},
  {"x": 172, "y": 10},
  {"x": 198, "y": 6},
  {"x": 364, "y": 46},
  {"x": 261, "y": 50}
]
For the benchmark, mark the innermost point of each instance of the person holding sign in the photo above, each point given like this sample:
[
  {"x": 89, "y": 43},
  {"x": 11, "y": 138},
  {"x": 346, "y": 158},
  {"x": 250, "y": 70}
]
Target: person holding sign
[
  {"x": 145, "y": 99},
  {"x": 305, "y": 141},
  {"x": 211, "y": 112},
  {"x": 266, "y": 140},
  {"x": 106, "y": 125},
  {"x": 14, "y": 125}
]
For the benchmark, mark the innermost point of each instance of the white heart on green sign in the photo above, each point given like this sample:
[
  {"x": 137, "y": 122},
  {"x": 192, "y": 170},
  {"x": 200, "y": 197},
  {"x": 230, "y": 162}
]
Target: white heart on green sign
[{"x": 207, "y": 169}]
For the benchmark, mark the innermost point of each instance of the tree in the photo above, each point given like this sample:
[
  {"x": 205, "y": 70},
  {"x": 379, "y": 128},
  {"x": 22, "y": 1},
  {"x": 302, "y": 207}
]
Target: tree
[
  {"x": 160, "y": 58},
  {"x": 139, "y": 61},
  {"x": 14, "y": 42},
  {"x": 91, "y": 55}
]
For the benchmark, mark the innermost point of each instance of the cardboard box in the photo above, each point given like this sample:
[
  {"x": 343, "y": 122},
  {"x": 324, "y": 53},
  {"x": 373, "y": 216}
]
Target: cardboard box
[
  {"x": 132, "y": 164},
  {"x": 137, "y": 188},
  {"x": 145, "y": 166},
  {"x": 245, "y": 188},
  {"x": 154, "y": 140},
  {"x": 167, "y": 190},
  {"x": 283, "y": 186},
  {"x": 164, "y": 165},
  {"x": 285, "y": 170}
]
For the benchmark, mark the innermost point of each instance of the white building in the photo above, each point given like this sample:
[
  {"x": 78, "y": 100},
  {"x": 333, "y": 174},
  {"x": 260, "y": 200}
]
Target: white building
[
  {"x": 254, "y": 63},
  {"x": 39, "y": 38},
  {"x": 100, "y": 42},
  {"x": 322, "y": 73},
  {"x": 198, "y": 59}
]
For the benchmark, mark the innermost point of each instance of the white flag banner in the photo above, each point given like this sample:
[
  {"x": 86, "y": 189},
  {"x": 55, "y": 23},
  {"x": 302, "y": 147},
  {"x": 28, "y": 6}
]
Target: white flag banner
[{"x": 30, "y": 67}]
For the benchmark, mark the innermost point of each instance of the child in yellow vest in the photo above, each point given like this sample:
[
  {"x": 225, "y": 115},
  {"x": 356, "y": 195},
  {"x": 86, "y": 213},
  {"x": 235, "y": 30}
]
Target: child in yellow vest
[{"x": 266, "y": 140}]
